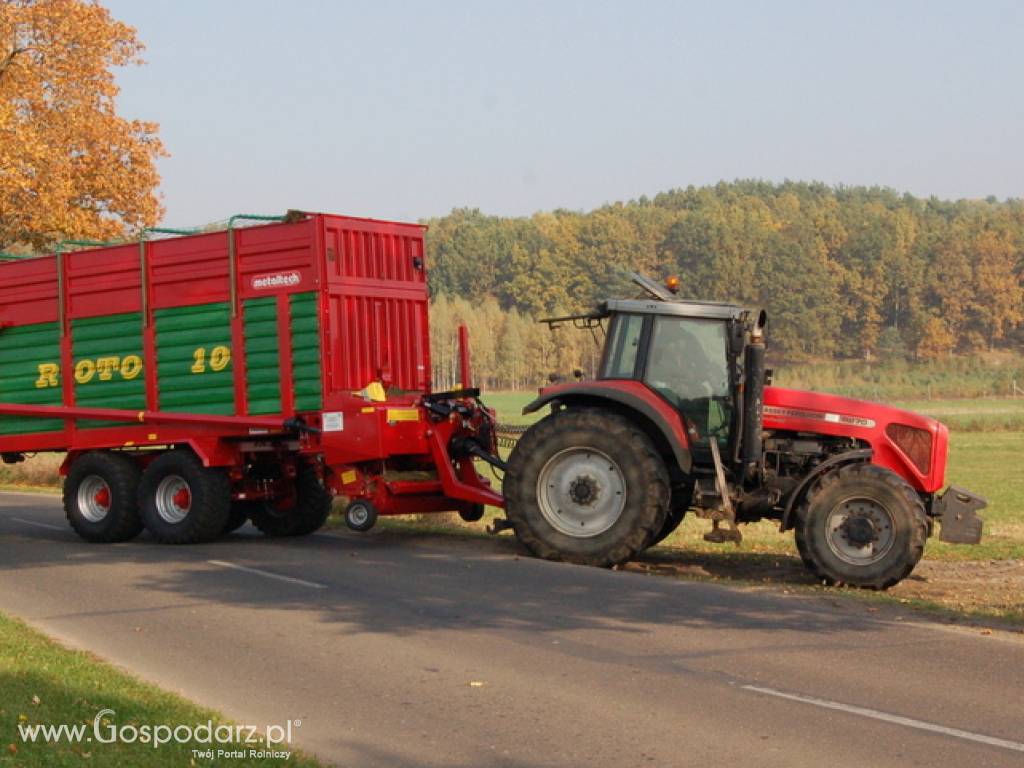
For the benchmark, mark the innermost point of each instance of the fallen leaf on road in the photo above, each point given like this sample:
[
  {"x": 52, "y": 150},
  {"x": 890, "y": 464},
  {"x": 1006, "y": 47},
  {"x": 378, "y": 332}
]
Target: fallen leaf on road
[{"x": 986, "y": 631}]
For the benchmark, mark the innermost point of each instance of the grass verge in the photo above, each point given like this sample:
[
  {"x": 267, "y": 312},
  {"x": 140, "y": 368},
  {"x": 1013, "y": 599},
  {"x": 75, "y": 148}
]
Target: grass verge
[{"x": 41, "y": 682}]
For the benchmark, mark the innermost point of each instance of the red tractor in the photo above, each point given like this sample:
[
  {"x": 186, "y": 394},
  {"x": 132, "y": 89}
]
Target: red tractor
[{"x": 680, "y": 417}]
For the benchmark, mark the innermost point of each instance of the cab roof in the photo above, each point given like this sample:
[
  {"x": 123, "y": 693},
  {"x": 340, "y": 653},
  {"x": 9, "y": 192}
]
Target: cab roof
[{"x": 711, "y": 310}]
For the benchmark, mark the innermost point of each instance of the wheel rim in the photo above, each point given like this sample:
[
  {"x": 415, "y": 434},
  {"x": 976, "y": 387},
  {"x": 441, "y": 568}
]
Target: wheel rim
[
  {"x": 94, "y": 498},
  {"x": 173, "y": 499},
  {"x": 860, "y": 531},
  {"x": 358, "y": 515},
  {"x": 581, "y": 492}
]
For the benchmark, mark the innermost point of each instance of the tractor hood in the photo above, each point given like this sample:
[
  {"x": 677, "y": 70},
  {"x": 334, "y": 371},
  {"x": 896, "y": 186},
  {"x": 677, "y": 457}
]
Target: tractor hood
[{"x": 909, "y": 443}]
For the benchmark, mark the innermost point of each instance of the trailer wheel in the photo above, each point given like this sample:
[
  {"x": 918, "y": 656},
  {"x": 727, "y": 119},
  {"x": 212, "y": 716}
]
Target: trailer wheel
[
  {"x": 472, "y": 514},
  {"x": 361, "y": 515},
  {"x": 100, "y": 497},
  {"x": 863, "y": 526},
  {"x": 308, "y": 512},
  {"x": 182, "y": 501},
  {"x": 237, "y": 517},
  {"x": 586, "y": 486}
]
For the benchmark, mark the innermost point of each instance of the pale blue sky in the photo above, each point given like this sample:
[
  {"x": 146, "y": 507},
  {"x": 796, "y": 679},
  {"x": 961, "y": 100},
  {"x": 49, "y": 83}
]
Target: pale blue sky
[{"x": 405, "y": 110}]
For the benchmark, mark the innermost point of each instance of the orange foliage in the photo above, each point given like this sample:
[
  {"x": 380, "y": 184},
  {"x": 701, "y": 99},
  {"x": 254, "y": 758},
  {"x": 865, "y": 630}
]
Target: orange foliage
[{"x": 70, "y": 166}]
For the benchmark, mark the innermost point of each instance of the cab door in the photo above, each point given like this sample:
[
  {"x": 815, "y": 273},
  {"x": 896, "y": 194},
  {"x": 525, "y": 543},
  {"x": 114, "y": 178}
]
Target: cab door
[{"x": 687, "y": 363}]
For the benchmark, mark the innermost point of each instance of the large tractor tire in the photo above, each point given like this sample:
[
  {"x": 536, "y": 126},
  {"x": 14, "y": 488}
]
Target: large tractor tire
[
  {"x": 586, "y": 486},
  {"x": 183, "y": 502},
  {"x": 863, "y": 526},
  {"x": 101, "y": 497},
  {"x": 307, "y": 512}
]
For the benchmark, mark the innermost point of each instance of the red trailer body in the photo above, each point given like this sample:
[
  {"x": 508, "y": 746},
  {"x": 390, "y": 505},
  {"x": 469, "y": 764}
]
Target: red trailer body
[{"x": 303, "y": 338}]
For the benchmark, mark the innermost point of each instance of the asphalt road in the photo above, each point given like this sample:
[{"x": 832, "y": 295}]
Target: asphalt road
[{"x": 400, "y": 650}]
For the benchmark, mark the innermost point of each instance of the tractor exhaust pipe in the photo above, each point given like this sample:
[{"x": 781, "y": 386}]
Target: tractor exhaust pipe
[{"x": 753, "y": 397}]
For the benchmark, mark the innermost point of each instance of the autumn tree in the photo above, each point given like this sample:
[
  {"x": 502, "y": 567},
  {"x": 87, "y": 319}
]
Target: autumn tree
[
  {"x": 847, "y": 272},
  {"x": 999, "y": 304},
  {"x": 70, "y": 166}
]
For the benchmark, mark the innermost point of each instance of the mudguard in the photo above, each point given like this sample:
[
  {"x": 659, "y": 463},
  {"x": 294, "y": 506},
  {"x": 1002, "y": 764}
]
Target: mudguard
[
  {"x": 624, "y": 395},
  {"x": 794, "y": 496}
]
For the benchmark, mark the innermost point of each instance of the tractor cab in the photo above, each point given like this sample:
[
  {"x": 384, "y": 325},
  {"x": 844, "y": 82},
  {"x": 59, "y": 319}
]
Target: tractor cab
[
  {"x": 682, "y": 352},
  {"x": 693, "y": 356},
  {"x": 678, "y": 419}
]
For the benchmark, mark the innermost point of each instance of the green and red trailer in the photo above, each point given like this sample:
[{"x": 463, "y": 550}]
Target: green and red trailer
[{"x": 197, "y": 380}]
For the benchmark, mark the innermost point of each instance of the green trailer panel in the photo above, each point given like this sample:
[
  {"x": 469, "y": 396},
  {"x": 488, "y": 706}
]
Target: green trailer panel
[
  {"x": 108, "y": 358},
  {"x": 262, "y": 365},
  {"x": 193, "y": 353},
  {"x": 30, "y": 375},
  {"x": 306, "y": 363}
]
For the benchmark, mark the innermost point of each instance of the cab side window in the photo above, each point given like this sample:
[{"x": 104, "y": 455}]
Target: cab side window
[{"x": 688, "y": 366}]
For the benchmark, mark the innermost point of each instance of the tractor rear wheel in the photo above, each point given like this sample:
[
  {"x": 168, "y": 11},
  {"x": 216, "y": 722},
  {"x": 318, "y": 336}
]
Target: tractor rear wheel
[
  {"x": 682, "y": 497},
  {"x": 100, "y": 497},
  {"x": 863, "y": 526},
  {"x": 586, "y": 486},
  {"x": 307, "y": 512}
]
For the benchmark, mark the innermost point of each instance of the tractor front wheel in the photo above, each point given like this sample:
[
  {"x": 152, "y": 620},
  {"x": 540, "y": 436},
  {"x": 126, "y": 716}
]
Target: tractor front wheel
[
  {"x": 586, "y": 486},
  {"x": 863, "y": 526}
]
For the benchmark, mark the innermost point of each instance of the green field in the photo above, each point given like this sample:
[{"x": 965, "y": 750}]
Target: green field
[
  {"x": 972, "y": 415},
  {"x": 979, "y": 415},
  {"x": 43, "y": 683}
]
